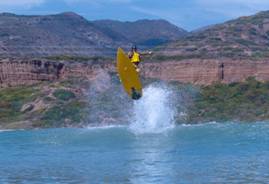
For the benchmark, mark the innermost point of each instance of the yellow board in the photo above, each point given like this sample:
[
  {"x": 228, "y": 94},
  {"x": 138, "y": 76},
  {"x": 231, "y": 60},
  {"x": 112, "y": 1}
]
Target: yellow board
[{"x": 128, "y": 75}]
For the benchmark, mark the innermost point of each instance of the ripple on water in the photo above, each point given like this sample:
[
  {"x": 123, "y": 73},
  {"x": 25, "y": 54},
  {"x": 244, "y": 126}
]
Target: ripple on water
[{"x": 208, "y": 153}]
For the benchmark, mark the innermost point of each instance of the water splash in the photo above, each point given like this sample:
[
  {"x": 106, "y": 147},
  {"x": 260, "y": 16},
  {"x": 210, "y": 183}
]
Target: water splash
[
  {"x": 155, "y": 111},
  {"x": 106, "y": 101}
]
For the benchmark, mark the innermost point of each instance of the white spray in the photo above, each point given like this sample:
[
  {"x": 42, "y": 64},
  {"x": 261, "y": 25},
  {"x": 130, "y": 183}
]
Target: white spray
[
  {"x": 106, "y": 101},
  {"x": 155, "y": 111}
]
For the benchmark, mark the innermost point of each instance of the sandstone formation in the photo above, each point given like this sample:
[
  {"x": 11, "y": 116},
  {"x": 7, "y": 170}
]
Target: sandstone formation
[
  {"x": 206, "y": 72},
  {"x": 25, "y": 72},
  {"x": 194, "y": 71}
]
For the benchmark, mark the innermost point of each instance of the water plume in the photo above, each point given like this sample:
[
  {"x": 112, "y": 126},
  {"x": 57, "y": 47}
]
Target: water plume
[{"x": 155, "y": 111}]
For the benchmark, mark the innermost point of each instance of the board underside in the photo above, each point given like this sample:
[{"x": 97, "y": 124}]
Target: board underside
[{"x": 128, "y": 75}]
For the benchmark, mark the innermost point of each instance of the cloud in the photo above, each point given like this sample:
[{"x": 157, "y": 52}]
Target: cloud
[
  {"x": 192, "y": 14},
  {"x": 98, "y": 4},
  {"x": 98, "y": 1},
  {"x": 158, "y": 13},
  {"x": 189, "y": 14},
  {"x": 234, "y": 8},
  {"x": 20, "y": 2}
]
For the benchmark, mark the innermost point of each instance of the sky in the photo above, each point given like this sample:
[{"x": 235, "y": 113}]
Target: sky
[{"x": 187, "y": 14}]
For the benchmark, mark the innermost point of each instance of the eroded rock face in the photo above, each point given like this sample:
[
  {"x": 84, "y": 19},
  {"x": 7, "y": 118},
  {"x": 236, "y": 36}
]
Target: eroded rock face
[
  {"x": 195, "y": 71},
  {"x": 27, "y": 72},
  {"x": 206, "y": 72},
  {"x": 189, "y": 71}
]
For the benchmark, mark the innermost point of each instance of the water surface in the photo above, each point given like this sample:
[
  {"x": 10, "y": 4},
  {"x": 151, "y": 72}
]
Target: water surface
[{"x": 208, "y": 153}]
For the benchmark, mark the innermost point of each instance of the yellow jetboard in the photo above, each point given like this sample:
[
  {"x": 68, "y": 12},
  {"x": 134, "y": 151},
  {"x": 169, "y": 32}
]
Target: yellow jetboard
[{"x": 128, "y": 75}]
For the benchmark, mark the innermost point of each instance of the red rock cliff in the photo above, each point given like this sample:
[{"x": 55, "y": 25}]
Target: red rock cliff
[
  {"x": 206, "y": 72},
  {"x": 200, "y": 72},
  {"x": 25, "y": 72}
]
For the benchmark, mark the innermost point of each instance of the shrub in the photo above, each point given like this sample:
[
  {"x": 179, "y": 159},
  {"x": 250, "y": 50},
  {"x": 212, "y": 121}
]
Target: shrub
[
  {"x": 58, "y": 115},
  {"x": 63, "y": 94},
  {"x": 12, "y": 99},
  {"x": 246, "y": 101}
]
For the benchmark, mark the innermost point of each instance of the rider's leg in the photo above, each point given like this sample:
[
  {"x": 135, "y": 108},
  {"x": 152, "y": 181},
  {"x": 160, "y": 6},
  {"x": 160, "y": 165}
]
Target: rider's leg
[{"x": 137, "y": 66}]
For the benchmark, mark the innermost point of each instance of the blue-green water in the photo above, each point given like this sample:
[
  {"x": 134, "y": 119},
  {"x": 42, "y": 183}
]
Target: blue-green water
[{"x": 208, "y": 153}]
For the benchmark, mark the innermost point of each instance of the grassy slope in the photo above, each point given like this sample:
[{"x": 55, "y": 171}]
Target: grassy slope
[
  {"x": 242, "y": 38},
  {"x": 43, "y": 105},
  {"x": 59, "y": 105},
  {"x": 247, "y": 101},
  {"x": 12, "y": 100}
]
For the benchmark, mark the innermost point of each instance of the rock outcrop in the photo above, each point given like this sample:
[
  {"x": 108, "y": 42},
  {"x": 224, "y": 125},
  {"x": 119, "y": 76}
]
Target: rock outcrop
[
  {"x": 206, "y": 72},
  {"x": 25, "y": 72},
  {"x": 195, "y": 71}
]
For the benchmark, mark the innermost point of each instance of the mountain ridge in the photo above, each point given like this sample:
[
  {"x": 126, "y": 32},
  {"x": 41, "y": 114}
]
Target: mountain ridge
[
  {"x": 143, "y": 37},
  {"x": 68, "y": 33},
  {"x": 246, "y": 37}
]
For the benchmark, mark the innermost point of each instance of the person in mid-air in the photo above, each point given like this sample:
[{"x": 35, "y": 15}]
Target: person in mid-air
[{"x": 135, "y": 57}]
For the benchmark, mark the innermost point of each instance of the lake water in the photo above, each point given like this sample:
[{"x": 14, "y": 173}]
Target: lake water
[
  {"x": 150, "y": 150},
  {"x": 206, "y": 153}
]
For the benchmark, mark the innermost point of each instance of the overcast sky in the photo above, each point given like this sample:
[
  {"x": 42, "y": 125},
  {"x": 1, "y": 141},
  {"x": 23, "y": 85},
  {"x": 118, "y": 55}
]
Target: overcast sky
[{"x": 188, "y": 14}]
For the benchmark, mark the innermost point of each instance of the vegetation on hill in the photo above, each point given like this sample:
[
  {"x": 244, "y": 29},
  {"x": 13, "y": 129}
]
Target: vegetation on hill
[
  {"x": 242, "y": 38},
  {"x": 61, "y": 105},
  {"x": 12, "y": 100},
  {"x": 44, "y": 105},
  {"x": 64, "y": 103},
  {"x": 147, "y": 33},
  {"x": 54, "y": 35},
  {"x": 246, "y": 101}
]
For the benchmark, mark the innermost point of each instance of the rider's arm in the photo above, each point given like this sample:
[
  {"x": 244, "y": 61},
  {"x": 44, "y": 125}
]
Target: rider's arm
[
  {"x": 130, "y": 55},
  {"x": 146, "y": 53}
]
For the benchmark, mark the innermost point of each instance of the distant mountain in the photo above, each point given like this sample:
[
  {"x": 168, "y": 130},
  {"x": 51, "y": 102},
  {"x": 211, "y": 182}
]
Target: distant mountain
[
  {"x": 66, "y": 33},
  {"x": 245, "y": 37},
  {"x": 71, "y": 34},
  {"x": 147, "y": 33}
]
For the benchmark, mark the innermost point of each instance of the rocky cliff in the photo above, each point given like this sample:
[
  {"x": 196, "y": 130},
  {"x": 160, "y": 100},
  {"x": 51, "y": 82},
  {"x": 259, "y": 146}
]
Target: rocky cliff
[
  {"x": 228, "y": 52},
  {"x": 206, "y": 72},
  {"x": 199, "y": 72},
  {"x": 27, "y": 72}
]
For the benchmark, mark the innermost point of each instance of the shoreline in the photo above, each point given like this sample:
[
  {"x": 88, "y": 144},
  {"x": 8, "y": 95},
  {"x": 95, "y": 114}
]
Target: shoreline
[
  {"x": 63, "y": 94},
  {"x": 104, "y": 127}
]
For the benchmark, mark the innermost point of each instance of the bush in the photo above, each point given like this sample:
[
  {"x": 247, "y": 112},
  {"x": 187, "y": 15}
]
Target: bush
[
  {"x": 12, "y": 99},
  {"x": 72, "y": 112},
  {"x": 63, "y": 94},
  {"x": 247, "y": 101}
]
